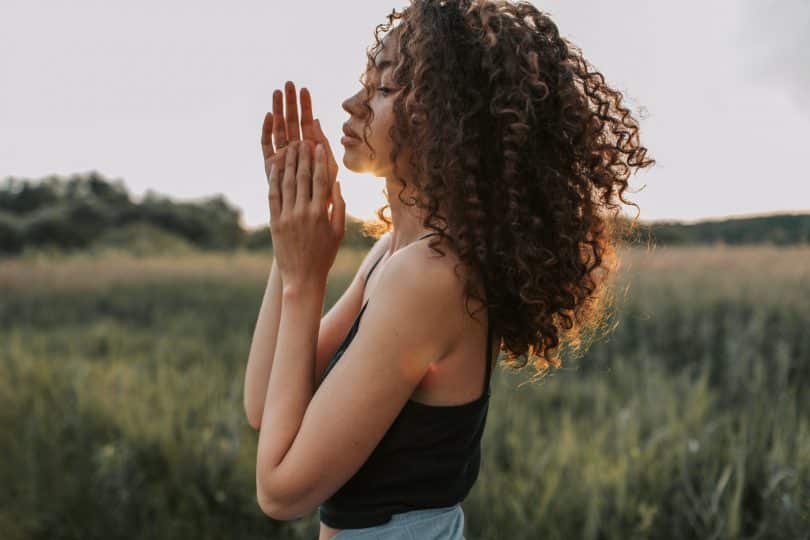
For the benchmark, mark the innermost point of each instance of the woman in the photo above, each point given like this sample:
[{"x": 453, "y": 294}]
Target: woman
[{"x": 509, "y": 155}]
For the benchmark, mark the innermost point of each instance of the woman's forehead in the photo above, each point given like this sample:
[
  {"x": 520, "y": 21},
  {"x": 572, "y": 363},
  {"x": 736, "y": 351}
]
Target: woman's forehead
[
  {"x": 388, "y": 48},
  {"x": 387, "y": 54}
]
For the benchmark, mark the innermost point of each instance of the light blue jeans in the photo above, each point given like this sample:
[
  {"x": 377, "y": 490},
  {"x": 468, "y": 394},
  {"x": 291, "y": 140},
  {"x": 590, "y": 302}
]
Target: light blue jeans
[{"x": 445, "y": 523}]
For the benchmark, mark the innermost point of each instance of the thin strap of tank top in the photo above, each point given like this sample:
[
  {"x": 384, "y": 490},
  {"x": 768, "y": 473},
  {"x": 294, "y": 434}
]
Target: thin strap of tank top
[
  {"x": 368, "y": 275},
  {"x": 489, "y": 351},
  {"x": 373, "y": 267},
  {"x": 489, "y": 338}
]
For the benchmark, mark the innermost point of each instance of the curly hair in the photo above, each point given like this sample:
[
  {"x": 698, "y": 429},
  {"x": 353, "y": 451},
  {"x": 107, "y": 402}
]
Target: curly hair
[{"x": 526, "y": 150}]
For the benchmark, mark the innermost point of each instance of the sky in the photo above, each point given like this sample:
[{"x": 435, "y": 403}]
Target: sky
[{"x": 170, "y": 96}]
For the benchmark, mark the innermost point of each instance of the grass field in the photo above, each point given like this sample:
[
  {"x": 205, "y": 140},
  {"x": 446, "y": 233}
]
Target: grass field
[{"x": 121, "y": 404}]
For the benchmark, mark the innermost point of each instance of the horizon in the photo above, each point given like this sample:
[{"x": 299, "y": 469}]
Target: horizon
[{"x": 349, "y": 216}]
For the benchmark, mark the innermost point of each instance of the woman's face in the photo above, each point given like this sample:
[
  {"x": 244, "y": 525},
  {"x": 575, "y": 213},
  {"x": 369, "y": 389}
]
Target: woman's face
[{"x": 357, "y": 156}]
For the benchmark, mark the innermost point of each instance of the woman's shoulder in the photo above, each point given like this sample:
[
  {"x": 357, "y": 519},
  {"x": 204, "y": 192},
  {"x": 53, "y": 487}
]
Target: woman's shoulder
[
  {"x": 373, "y": 255},
  {"x": 419, "y": 265},
  {"x": 416, "y": 281},
  {"x": 417, "y": 298}
]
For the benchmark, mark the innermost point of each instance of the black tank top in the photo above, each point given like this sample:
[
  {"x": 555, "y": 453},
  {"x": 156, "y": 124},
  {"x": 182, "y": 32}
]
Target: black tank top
[{"x": 428, "y": 458}]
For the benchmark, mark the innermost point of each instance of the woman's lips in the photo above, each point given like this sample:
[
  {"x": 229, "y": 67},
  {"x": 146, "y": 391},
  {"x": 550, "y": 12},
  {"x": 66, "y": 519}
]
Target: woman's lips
[{"x": 350, "y": 138}]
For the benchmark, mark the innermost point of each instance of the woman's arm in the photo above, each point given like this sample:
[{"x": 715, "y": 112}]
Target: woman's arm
[
  {"x": 262, "y": 348},
  {"x": 278, "y": 127},
  {"x": 337, "y": 322},
  {"x": 311, "y": 442},
  {"x": 333, "y": 329}
]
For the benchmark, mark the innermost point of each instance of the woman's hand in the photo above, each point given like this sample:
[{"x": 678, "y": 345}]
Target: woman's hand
[
  {"x": 279, "y": 130},
  {"x": 305, "y": 237}
]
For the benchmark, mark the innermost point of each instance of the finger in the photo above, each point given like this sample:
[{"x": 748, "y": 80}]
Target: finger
[
  {"x": 277, "y": 159},
  {"x": 318, "y": 133},
  {"x": 338, "y": 217},
  {"x": 307, "y": 125},
  {"x": 274, "y": 192},
  {"x": 293, "y": 133},
  {"x": 279, "y": 128},
  {"x": 330, "y": 159},
  {"x": 288, "y": 187},
  {"x": 303, "y": 194},
  {"x": 330, "y": 156},
  {"x": 320, "y": 180},
  {"x": 267, "y": 136}
]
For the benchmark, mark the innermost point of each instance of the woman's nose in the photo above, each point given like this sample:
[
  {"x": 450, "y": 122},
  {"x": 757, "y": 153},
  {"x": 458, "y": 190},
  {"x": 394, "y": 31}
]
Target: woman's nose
[{"x": 351, "y": 104}]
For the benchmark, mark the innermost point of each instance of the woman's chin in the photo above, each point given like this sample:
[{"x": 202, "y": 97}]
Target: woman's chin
[{"x": 351, "y": 162}]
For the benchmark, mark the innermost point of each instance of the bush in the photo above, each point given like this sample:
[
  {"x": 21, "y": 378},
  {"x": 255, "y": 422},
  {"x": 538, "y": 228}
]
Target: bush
[
  {"x": 142, "y": 238},
  {"x": 11, "y": 241}
]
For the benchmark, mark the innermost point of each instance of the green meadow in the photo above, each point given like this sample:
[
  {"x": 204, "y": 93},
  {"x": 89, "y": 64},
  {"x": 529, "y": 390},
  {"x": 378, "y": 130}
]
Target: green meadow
[{"x": 121, "y": 416}]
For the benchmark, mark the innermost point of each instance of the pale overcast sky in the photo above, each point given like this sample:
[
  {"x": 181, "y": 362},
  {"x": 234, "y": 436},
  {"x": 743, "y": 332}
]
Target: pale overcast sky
[{"x": 170, "y": 95}]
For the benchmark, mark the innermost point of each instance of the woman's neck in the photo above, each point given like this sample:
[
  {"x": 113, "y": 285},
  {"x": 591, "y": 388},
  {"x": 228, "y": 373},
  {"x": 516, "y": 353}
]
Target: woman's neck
[{"x": 406, "y": 221}]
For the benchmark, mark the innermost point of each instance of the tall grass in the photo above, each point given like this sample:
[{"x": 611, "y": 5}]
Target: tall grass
[{"x": 121, "y": 404}]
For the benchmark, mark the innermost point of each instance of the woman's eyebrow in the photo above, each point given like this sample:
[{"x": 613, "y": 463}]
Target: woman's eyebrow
[{"x": 384, "y": 64}]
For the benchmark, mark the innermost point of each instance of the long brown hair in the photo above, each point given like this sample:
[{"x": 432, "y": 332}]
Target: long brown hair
[{"x": 529, "y": 152}]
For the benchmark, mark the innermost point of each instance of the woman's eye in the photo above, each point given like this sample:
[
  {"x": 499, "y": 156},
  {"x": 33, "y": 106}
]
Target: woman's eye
[{"x": 384, "y": 89}]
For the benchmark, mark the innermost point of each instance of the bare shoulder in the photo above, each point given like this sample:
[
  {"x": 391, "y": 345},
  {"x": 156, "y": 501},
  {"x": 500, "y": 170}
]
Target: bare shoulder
[
  {"x": 421, "y": 267},
  {"x": 410, "y": 310},
  {"x": 419, "y": 284},
  {"x": 445, "y": 271},
  {"x": 374, "y": 253}
]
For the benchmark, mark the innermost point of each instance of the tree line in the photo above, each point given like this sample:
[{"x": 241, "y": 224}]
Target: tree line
[{"x": 73, "y": 212}]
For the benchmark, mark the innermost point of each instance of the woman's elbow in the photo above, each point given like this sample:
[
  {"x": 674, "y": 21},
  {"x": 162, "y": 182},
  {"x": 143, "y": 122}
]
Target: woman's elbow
[
  {"x": 277, "y": 511},
  {"x": 254, "y": 420}
]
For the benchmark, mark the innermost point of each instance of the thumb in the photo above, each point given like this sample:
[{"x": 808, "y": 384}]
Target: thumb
[{"x": 338, "y": 211}]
